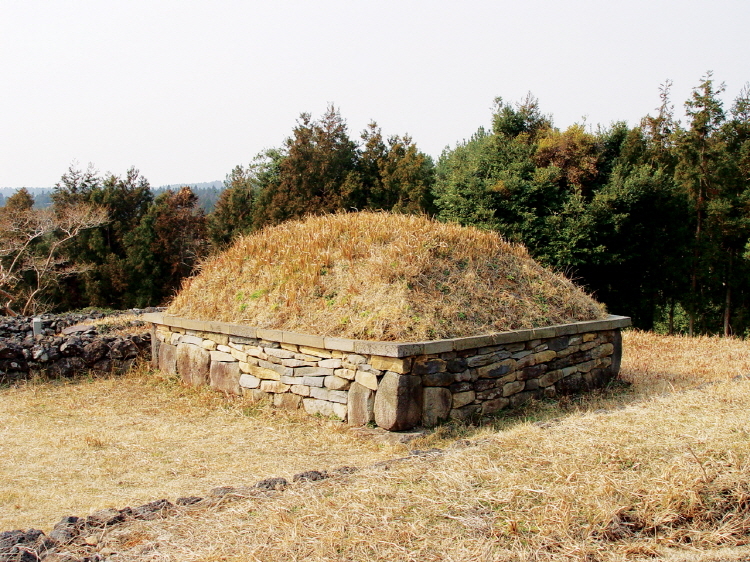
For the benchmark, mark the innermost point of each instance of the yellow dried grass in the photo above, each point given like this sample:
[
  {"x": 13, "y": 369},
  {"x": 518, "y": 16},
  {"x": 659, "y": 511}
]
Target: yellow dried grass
[
  {"x": 639, "y": 475},
  {"x": 380, "y": 276}
]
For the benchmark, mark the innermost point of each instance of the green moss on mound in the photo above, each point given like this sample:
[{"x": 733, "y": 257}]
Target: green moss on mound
[{"x": 381, "y": 276}]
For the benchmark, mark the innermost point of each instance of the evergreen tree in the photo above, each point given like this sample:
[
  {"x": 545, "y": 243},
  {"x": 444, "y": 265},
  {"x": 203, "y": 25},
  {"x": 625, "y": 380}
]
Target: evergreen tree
[
  {"x": 165, "y": 247},
  {"x": 318, "y": 173}
]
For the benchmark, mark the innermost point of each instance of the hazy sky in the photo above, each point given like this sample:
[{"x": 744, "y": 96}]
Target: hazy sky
[{"x": 185, "y": 90}]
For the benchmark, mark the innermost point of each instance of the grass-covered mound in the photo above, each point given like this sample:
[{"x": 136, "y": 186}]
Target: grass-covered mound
[{"x": 380, "y": 276}]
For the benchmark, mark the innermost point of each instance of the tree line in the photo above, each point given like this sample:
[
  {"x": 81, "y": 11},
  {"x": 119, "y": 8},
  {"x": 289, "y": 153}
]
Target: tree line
[{"x": 653, "y": 219}]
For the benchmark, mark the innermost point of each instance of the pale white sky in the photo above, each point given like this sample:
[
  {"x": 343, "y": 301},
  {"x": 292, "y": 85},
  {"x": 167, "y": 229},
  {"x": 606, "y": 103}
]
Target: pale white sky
[{"x": 184, "y": 90}]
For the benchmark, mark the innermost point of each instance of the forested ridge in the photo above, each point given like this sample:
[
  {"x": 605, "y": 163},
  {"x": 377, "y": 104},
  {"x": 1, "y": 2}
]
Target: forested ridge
[{"x": 653, "y": 219}]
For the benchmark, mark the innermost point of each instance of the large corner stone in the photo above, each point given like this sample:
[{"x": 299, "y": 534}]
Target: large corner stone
[
  {"x": 398, "y": 402},
  {"x": 168, "y": 358},
  {"x": 361, "y": 405},
  {"x": 193, "y": 364},
  {"x": 437, "y": 403},
  {"x": 225, "y": 377}
]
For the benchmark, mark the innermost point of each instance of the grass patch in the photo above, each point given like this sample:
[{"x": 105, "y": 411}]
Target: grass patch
[
  {"x": 380, "y": 276},
  {"x": 657, "y": 469}
]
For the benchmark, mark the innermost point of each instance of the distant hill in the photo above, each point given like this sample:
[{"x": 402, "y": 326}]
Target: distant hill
[
  {"x": 41, "y": 195},
  {"x": 207, "y": 192}
]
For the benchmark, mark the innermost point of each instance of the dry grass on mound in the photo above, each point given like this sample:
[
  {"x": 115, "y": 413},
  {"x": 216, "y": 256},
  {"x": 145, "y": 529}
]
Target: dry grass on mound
[
  {"x": 380, "y": 276},
  {"x": 615, "y": 477}
]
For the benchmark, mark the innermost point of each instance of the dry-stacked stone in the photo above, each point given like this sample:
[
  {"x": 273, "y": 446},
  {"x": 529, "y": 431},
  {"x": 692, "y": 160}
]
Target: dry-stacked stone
[{"x": 397, "y": 386}]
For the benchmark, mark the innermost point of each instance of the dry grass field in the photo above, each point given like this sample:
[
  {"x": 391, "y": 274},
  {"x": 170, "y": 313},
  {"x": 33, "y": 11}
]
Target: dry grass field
[{"x": 659, "y": 469}]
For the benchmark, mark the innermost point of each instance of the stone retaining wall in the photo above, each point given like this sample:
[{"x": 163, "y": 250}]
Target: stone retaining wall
[{"x": 396, "y": 385}]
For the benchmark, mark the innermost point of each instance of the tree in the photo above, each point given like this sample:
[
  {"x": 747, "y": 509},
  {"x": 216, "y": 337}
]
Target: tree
[
  {"x": 165, "y": 247},
  {"x": 31, "y": 244},
  {"x": 700, "y": 152},
  {"x": 318, "y": 173},
  {"x": 396, "y": 176},
  {"x": 126, "y": 200},
  {"x": 248, "y": 191}
]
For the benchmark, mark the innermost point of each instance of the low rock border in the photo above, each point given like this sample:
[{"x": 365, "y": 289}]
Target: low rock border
[{"x": 395, "y": 385}]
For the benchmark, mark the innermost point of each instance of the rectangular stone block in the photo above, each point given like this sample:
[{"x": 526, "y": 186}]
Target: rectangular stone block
[
  {"x": 303, "y": 339},
  {"x": 395, "y": 364},
  {"x": 338, "y": 344},
  {"x": 312, "y": 372},
  {"x": 222, "y": 357},
  {"x": 280, "y": 353},
  {"x": 463, "y": 398},
  {"x": 436, "y": 346},
  {"x": 297, "y": 363},
  {"x": 300, "y": 389},
  {"x": 550, "y": 378},
  {"x": 336, "y": 383},
  {"x": 495, "y": 370},
  {"x": 262, "y": 373},
  {"x": 316, "y": 382},
  {"x": 288, "y": 371},
  {"x": 513, "y": 387},
  {"x": 315, "y": 351},
  {"x": 544, "y": 356},
  {"x": 287, "y": 401},
  {"x": 168, "y": 358},
  {"x": 193, "y": 364},
  {"x": 495, "y": 405},
  {"x": 273, "y": 386},
  {"x": 361, "y": 405},
  {"x": 347, "y": 374},
  {"x": 225, "y": 376},
  {"x": 330, "y": 363},
  {"x": 368, "y": 380},
  {"x": 249, "y": 381},
  {"x": 191, "y": 340},
  {"x": 239, "y": 355}
]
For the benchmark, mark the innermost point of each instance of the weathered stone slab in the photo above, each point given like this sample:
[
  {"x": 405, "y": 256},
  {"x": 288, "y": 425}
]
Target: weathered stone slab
[
  {"x": 347, "y": 374},
  {"x": 336, "y": 383},
  {"x": 287, "y": 401},
  {"x": 461, "y": 399},
  {"x": 168, "y": 358},
  {"x": 324, "y": 408},
  {"x": 274, "y": 387},
  {"x": 280, "y": 353},
  {"x": 193, "y": 363},
  {"x": 220, "y": 356},
  {"x": 263, "y": 373},
  {"x": 436, "y": 406},
  {"x": 429, "y": 366},
  {"x": 366, "y": 379},
  {"x": 192, "y": 340},
  {"x": 398, "y": 401},
  {"x": 312, "y": 372},
  {"x": 300, "y": 389},
  {"x": 495, "y": 370},
  {"x": 361, "y": 405},
  {"x": 513, "y": 387},
  {"x": 225, "y": 376},
  {"x": 317, "y": 382},
  {"x": 492, "y": 406},
  {"x": 249, "y": 381},
  {"x": 438, "y": 379},
  {"x": 395, "y": 364}
]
